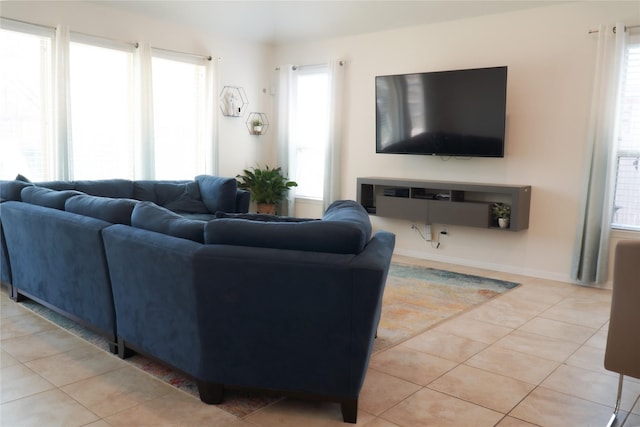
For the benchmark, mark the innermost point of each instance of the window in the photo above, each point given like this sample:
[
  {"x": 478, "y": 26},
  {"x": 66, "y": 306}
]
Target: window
[
  {"x": 102, "y": 136},
  {"x": 25, "y": 102},
  {"x": 627, "y": 194},
  {"x": 310, "y": 129},
  {"x": 114, "y": 93},
  {"x": 179, "y": 91}
]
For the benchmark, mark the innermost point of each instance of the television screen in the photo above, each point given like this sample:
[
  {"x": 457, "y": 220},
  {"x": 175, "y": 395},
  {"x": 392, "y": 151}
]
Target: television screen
[{"x": 445, "y": 113}]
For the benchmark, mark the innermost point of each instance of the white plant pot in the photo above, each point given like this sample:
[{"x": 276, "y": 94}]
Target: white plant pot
[
  {"x": 257, "y": 129},
  {"x": 503, "y": 222}
]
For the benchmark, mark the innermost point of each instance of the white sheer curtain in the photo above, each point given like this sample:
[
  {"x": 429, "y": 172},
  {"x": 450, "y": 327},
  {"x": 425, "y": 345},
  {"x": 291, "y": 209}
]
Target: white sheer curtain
[
  {"x": 62, "y": 108},
  {"x": 591, "y": 255},
  {"x": 144, "y": 153},
  {"x": 285, "y": 157},
  {"x": 333, "y": 157},
  {"x": 210, "y": 136}
]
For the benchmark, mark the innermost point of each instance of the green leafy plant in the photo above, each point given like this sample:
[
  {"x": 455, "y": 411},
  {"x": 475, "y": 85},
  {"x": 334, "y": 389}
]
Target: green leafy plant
[
  {"x": 267, "y": 185},
  {"x": 256, "y": 122},
  {"x": 501, "y": 210}
]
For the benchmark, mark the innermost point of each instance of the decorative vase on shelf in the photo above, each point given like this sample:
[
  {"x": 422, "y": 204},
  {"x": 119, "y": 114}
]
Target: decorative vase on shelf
[
  {"x": 503, "y": 222},
  {"x": 257, "y": 129}
]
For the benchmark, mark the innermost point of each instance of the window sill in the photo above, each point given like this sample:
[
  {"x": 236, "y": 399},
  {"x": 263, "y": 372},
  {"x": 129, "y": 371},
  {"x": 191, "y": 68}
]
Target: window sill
[
  {"x": 625, "y": 233},
  {"x": 309, "y": 200}
]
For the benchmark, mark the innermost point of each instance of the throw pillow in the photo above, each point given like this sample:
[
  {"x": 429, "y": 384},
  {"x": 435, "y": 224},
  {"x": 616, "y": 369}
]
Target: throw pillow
[
  {"x": 149, "y": 216},
  {"x": 22, "y": 178},
  {"x": 180, "y": 197},
  {"x": 218, "y": 193}
]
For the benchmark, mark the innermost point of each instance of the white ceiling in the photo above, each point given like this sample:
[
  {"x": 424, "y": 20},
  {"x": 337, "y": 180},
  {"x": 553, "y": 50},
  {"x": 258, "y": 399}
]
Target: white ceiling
[{"x": 280, "y": 22}]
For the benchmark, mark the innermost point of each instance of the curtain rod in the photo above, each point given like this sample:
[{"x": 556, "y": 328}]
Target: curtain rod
[
  {"x": 628, "y": 27},
  {"x": 193, "y": 55},
  {"x": 136, "y": 44},
  {"x": 295, "y": 67}
]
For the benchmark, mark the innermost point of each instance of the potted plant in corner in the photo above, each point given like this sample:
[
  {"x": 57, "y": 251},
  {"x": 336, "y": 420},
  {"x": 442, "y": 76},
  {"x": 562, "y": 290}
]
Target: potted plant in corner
[
  {"x": 268, "y": 186},
  {"x": 502, "y": 212}
]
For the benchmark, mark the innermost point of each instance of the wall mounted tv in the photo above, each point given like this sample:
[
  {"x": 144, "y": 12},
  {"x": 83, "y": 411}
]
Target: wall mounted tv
[{"x": 443, "y": 113}]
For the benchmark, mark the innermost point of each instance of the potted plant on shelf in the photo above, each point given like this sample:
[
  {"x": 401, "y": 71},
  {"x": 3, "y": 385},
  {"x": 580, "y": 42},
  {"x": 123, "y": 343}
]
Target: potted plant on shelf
[
  {"x": 268, "y": 186},
  {"x": 502, "y": 212},
  {"x": 257, "y": 126}
]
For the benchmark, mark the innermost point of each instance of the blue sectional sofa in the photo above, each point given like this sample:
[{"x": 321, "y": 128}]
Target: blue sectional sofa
[
  {"x": 51, "y": 236},
  {"x": 237, "y": 301}
]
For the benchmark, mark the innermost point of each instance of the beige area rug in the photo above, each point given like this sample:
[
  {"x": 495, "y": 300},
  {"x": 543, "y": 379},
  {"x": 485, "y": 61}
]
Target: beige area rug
[{"x": 415, "y": 299}]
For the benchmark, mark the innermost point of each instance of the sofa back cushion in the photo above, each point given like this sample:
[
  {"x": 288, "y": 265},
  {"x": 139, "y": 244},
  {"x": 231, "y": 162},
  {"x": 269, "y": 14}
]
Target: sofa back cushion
[
  {"x": 144, "y": 190},
  {"x": 149, "y": 216},
  {"x": 344, "y": 229},
  {"x": 115, "y": 211},
  {"x": 218, "y": 193},
  {"x": 10, "y": 190},
  {"x": 118, "y": 188},
  {"x": 46, "y": 197},
  {"x": 315, "y": 236}
]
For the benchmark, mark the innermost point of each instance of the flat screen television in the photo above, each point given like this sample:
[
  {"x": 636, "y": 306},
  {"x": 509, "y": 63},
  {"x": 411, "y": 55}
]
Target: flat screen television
[{"x": 443, "y": 113}]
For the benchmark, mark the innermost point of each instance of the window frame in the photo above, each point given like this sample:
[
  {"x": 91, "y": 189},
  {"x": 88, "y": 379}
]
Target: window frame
[
  {"x": 48, "y": 171},
  {"x": 624, "y": 152}
]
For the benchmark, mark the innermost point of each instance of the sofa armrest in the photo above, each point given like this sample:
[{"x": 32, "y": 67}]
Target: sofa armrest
[
  {"x": 243, "y": 199},
  {"x": 301, "y": 321}
]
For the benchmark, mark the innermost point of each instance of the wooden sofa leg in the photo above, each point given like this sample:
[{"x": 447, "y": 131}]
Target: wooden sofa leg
[
  {"x": 349, "y": 410},
  {"x": 210, "y": 393}
]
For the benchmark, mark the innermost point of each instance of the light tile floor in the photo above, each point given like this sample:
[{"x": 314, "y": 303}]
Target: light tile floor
[{"x": 532, "y": 356}]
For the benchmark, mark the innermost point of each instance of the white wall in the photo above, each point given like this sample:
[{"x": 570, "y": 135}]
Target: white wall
[
  {"x": 238, "y": 63},
  {"x": 550, "y": 56}
]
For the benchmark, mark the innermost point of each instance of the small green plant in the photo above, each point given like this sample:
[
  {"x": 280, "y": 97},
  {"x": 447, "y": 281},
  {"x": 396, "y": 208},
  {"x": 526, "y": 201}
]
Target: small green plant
[
  {"x": 267, "y": 185},
  {"x": 256, "y": 122},
  {"x": 501, "y": 210}
]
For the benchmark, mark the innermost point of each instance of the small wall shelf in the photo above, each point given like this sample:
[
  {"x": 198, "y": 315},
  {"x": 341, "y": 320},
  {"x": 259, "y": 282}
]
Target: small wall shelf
[
  {"x": 233, "y": 101},
  {"x": 444, "y": 202},
  {"x": 259, "y": 129}
]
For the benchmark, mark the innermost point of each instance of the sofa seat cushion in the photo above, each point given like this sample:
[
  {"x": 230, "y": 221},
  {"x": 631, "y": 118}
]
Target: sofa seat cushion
[
  {"x": 115, "y": 211},
  {"x": 218, "y": 193},
  {"x": 46, "y": 197},
  {"x": 261, "y": 217},
  {"x": 149, "y": 216},
  {"x": 199, "y": 216}
]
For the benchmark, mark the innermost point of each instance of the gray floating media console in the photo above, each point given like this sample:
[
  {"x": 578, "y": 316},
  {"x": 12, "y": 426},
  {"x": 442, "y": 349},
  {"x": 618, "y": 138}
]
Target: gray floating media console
[{"x": 444, "y": 202}]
